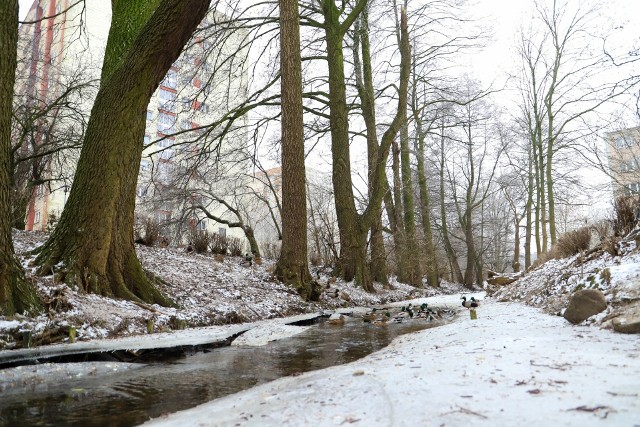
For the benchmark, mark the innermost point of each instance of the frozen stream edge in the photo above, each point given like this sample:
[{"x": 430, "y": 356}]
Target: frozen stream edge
[{"x": 515, "y": 365}]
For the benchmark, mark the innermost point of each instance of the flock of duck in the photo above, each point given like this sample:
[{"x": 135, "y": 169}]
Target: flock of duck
[{"x": 382, "y": 316}]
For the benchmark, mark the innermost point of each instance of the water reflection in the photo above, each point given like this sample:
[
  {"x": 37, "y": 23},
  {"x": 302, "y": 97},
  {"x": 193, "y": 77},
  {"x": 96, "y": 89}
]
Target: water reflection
[{"x": 132, "y": 397}]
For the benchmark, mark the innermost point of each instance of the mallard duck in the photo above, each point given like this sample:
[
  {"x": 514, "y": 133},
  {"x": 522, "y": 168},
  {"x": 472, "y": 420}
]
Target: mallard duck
[
  {"x": 408, "y": 309},
  {"x": 465, "y": 303},
  {"x": 474, "y": 303},
  {"x": 333, "y": 293},
  {"x": 336, "y": 319},
  {"x": 380, "y": 321}
]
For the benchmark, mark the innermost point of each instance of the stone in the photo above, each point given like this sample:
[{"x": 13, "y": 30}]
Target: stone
[
  {"x": 628, "y": 322},
  {"x": 584, "y": 304}
]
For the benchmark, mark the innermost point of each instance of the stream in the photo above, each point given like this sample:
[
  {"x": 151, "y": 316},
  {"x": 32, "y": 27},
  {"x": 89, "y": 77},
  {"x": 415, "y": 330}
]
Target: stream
[{"x": 132, "y": 397}]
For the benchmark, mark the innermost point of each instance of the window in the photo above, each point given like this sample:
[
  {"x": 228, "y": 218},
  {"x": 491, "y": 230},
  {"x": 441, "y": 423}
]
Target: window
[
  {"x": 185, "y": 124},
  {"x": 164, "y": 143},
  {"x": 142, "y": 190},
  {"x": 149, "y": 115},
  {"x": 40, "y": 190},
  {"x": 621, "y": 142},
  {"x": 222, "y": 232},
  {"x": 167, "y": 100},
  {"x": 147, "y": 140},
  {"x": 201, "y": 225},
  {"x": 633, "y": 188},
  {"x": 163, "y": 216},
  {"x": 164, "y": 172},
  {"x": 166, "y": 123},
  {"x": 36, "y": 220},
  {"x": 145, "y": 165},
  {"x": 166, "y": 154},
  {"x": 171, "y": 79}
]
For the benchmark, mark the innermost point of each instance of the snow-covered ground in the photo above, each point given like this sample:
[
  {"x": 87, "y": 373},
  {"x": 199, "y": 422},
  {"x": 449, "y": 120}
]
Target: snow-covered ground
[
  {"x": 207, "y": 292},
  {"x": 518, "y": 363},
  {"x": 514, "y": 365}
]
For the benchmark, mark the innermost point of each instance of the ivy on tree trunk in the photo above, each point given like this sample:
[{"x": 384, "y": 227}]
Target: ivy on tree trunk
[{"x": 94, "y": 237}]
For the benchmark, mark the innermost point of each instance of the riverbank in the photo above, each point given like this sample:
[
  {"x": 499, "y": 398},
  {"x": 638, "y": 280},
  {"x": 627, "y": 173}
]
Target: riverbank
[
  {"x": 208, "y": 290},
  {"x": 513, "y": 365}
]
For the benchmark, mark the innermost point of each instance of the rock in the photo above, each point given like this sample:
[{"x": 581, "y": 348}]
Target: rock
[
  {"x": 628, "y": 322},
  {"x": 584, "y": 304}
]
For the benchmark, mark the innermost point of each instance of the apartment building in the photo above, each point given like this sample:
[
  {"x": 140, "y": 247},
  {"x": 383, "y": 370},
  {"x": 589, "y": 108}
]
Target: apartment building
[
  {"x": 623, "y": 148},
  {"x": 198, "y": 89}
]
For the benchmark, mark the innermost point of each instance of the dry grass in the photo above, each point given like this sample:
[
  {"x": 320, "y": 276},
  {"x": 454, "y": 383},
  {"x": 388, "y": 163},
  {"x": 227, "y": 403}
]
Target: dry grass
[
  {"x": 625, "y": 209},
  {"x": 572, "y": 242},
  {"x": 200, "y": 240}
]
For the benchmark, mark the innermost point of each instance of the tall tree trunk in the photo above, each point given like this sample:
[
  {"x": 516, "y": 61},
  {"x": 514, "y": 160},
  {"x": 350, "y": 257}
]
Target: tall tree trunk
[
  {"x": 393, "y": 224},
  {"x": 400, "y": 233},
  {"x": 353, "y": 227},
  {"x": 425, "y": 208},
  {"x": 515, "y": 264},
  {"x": 467, "y": 222},
  {"x": 316, "y": 230},
  {"x": 352, "y": 263},
  {"x": 94, "y": 238},
  {"x": 528, "y": 208},
  {"x": 456, "y": 272},
  {"x": 538, "y": 202},
  {"x": 17, "y": 294},
  {"x": 543, "y": 199},
  {"x": 550, "y": 196},
  {"x": 292, "y": 267},
  {"x": 412, "y": 252},
  {"x": 364, "y": 84}
]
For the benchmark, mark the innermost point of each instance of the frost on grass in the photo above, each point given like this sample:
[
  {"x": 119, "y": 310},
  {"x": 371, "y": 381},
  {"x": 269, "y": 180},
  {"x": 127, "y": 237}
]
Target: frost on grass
[{"x": 551, "y": 285}]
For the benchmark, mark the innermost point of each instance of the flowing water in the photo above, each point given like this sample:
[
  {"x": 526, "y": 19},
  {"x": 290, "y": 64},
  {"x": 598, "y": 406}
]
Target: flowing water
[{"x": 132, "y": 397}]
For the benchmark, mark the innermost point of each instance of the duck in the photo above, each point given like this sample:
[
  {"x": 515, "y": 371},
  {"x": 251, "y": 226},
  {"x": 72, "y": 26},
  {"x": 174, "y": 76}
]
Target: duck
[
  {"x": 465, "y": 303},
  {"x": 333, "y": 293},
  {"x": 381, "y": 321},
  {"x": 408, "y": 309},
  {"x": 474, "y": 303},
  {"x": 336, "y": 319}
]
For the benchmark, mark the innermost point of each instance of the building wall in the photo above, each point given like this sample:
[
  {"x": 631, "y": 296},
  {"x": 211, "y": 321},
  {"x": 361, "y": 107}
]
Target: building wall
[
  {"x": 194, "y": 93},
  {"x": 623, "y": 149}
]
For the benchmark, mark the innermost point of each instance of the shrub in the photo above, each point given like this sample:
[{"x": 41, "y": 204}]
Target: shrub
[
  {"x": 219, "y": 244},
  {"x": 148, "y": 234},
  {"x": 271, "y": 250},
  {"x": 52, "y": 222},
  {"x": 234, "y": 246},
  {"x": 199, "y": 240},
  {"x": 572, "y": 242},
  {"x": 625, "y": 210}
]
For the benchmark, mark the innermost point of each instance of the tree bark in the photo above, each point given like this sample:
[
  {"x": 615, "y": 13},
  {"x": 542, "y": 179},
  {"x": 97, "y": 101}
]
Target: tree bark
[
  {"x": 364, "y": 84},
  {"x": 433, "y": 275},
  {"x": 292, "y": 267},
  {"x": 17, "y": 294},
  {"x": 94, "y": 238},
  {"x": 528, "y": 230},
  {"x": 352, "y": 262},
  {"x": 412, "y": 252},
  {"x": 456, "y": 272}
]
